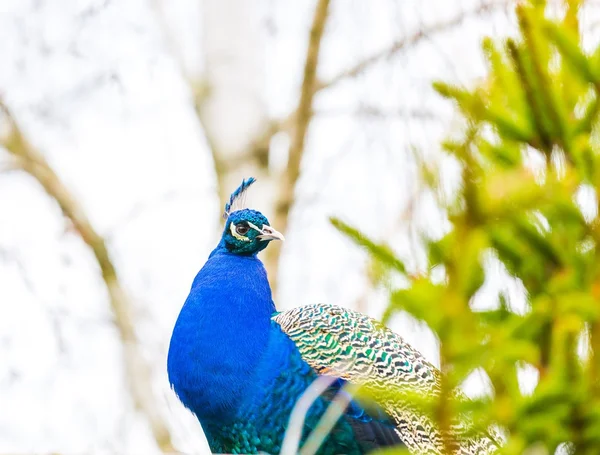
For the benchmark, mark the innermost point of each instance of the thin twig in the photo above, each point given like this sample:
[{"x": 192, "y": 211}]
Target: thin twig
[
  {"x": 293, "y": 435},
  {"x": 257, "y": 151},
  {"x": 138, "y": 372},
  {"x": 379, "y": 113},
  {"x": 328, "y": 420},
  {"x": 303, "y": 115},
  {"x": 405, "y": 42}
]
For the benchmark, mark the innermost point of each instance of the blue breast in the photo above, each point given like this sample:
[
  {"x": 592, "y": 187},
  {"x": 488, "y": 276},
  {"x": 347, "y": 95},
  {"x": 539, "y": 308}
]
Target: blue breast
[
  {"x": 220, "y": 335},
  {"x": 232, "y": 366}
]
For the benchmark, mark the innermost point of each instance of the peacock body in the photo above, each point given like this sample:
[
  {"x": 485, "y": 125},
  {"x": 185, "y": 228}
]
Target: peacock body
[{"x": 240, "y": 366}]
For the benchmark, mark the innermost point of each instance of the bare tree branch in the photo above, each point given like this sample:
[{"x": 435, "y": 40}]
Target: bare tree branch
[
  {"x": 138, "y": 372},
  {"x": 405, "y": 42},
  {"x": 376, "y": 112},
  {"x": 287, "y": 123},
  {"x": 302, "y": 118},
  {"x": 296, "y": 123},
  {"x": 258, "y": 150}
]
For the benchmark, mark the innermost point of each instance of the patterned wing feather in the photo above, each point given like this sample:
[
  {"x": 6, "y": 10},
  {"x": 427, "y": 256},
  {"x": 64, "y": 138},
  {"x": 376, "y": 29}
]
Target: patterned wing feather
[{"x": 347, "y": 344}]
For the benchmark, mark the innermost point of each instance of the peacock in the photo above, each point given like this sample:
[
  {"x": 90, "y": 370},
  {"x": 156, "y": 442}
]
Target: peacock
[{"x": 240, "y": 366}]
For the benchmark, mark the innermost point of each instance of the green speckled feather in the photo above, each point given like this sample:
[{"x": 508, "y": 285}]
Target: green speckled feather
[{"x": 350, "y": 345}]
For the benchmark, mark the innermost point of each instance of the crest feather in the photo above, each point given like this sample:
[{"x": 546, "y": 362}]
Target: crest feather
[{"x": 238, "y": 197}]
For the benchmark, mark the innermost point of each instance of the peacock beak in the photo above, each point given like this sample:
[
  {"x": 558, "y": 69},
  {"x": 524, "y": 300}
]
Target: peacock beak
[{"x": 268, "y": 233}]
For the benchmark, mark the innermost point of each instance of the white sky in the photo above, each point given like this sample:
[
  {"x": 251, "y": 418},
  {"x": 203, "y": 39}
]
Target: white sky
[{"x": 98, "y": 86}]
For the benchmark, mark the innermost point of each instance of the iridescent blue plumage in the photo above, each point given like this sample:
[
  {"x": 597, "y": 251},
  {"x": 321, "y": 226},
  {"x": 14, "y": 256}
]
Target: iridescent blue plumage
[
  {"x": 240, "y": 367},
  {"x": 229, "y": 362}
]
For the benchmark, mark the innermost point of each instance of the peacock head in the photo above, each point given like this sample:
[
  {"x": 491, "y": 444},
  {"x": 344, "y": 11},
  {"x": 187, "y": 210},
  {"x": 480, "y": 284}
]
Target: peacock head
[{"x": 246, "y": 231}]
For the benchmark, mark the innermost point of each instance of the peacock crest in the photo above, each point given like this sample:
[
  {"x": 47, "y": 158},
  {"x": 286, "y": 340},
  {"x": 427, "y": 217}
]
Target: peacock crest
[{"x": 237, "y": 200}]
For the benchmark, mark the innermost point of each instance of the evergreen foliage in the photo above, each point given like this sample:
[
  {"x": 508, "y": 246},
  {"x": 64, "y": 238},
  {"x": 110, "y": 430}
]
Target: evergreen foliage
[{"x": 541, "y": 99}]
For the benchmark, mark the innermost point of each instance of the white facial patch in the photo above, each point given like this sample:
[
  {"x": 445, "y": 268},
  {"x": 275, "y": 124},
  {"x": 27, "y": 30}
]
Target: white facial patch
[
  {"x": 243, "y": 238},
  {"x": 254, "y": 226}
]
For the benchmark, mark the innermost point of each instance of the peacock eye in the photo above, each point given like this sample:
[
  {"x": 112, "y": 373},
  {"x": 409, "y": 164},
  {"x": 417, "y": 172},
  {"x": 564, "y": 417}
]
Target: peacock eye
[{"x": 242, "y": 229}]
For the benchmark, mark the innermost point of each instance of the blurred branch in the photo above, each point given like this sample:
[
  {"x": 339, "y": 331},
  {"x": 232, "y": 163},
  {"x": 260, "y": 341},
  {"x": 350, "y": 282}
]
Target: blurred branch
[
  {"x": 11, "y": 166},
  {"x": 296, "y": 123},
  {"x": 331, "y": 416},
  {"x": 293, "y": 435},
  {"x": 377, "y": 112},
  {"x": 258, "y": 150},
  {"x": 302, "y": 119},
  {"x": 138, "y": 373},
  {"x": 143, "y": 207},
  {"x": 406, "y": 42},
  {"x": 260, "y": 145},
  {"x": 288, "y": 122},
  {"x": 12, "y": 257}
]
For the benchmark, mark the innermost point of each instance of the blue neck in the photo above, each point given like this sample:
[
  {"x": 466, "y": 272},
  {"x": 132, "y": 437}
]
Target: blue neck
[
  {"x": 220, "y": 335},
  {"x": 222, "y": 249}
]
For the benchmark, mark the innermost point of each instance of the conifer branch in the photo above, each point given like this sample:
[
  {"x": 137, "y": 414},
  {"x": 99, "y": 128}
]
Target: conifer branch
[{"x": 137, "y": 370}]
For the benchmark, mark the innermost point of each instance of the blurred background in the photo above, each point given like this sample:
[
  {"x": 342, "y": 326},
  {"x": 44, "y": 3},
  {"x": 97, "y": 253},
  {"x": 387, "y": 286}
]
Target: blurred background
[{"x": 125, "y": 126}]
